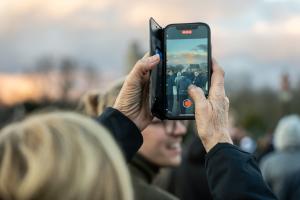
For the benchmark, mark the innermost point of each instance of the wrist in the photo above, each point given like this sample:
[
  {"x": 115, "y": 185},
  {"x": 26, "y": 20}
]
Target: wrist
[
  {"x": 212, "y": 140},
  {"x": 138, "y": 122}
]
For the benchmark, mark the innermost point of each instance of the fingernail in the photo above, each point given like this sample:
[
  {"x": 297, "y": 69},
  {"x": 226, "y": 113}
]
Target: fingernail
[
  {"x": 156, "y": 57},
  {"x": 191, "y": 87}
]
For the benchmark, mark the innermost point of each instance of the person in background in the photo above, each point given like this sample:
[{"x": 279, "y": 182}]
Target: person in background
[
  {"x": 231, "y": 172},
  {"x": 242, "y": 138},
  {"x": 182, "y": 83},
  {"x": 189, "y": 180},
  {"x": 89, "y": 102},
  {"x": 199, "y": 80},
  {"x": 65, "y": 156},
  {"x": 189, "y": 74},
  {"x": 264, "y": 146},
  {"x": 291, "y": 187},
  {"x": 161, "y": 147},
  {"x": 170, "y": 85},
  {"x": 61, "y": 156},
  {"x": 94, "y": 102},
  {"x": 285, "y": 160}
]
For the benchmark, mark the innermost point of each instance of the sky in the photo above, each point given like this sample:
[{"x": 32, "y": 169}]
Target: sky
[
  {"x": 258, "y": 39},
  {"x": 186, "y": 51}
]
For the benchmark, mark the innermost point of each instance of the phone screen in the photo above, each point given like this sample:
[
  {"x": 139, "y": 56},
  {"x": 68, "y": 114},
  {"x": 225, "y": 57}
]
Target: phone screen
[{"x": 187, "y": 62}]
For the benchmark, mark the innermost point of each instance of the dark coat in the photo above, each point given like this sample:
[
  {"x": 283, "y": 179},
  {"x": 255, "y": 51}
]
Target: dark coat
[
  {"x": 275, "y": 176},
  {"x": 231, "y": 173},
  {"x": 143, "y": 172},
  {"x": 124, "y": 131},
  {"x": 182, "y": 84},
  {"x": 189, "y": 180},
  {"x": 199, "y": 81},
  {"x": 170, "y": 84},
  {"x": 291, "y": 187}
]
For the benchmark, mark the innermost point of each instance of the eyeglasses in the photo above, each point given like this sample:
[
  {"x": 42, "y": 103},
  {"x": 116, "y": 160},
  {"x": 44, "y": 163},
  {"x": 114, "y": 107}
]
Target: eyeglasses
[{"x": 169, "y": 125}]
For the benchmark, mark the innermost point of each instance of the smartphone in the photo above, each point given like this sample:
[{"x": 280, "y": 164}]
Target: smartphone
[{"x": 185, "y": 59}]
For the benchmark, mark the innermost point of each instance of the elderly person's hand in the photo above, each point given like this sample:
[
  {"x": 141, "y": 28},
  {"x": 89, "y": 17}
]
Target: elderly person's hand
[
  {"x": 133, "y": 98},
  {"x": 212, "y": 113}
]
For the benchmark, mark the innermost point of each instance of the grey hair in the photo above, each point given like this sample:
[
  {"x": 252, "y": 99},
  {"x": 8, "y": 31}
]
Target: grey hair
[{"x": 287, "y": 133}]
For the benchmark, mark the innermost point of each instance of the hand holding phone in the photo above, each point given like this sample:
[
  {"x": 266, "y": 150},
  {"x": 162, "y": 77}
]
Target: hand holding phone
[
  {"x": 212, "y": 113},
  {"x": 131, "y": 100}
]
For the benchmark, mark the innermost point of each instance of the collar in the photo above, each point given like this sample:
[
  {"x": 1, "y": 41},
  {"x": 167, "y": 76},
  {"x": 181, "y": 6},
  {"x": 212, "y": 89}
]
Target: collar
[{"x": 144, "y": 168}]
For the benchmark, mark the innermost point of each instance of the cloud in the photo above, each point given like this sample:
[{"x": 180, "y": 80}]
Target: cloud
[
  {"x": 186, "y": 58},
  {"x": 200, "y": 47},
  {"x": 256, "y": 33},
  {"x": 288, "y": 27}
]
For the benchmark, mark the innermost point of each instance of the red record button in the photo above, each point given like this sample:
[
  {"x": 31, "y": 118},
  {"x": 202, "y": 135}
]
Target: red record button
[
  {"x": 187, "y": 103},
  {"x": 186, "y": 32}
]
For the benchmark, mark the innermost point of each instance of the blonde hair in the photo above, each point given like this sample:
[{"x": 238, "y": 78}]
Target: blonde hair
[
  {"x": 61, "y": 155},
  {"x": 94, "y": 102},
  {"x": 88, "y": 104}
]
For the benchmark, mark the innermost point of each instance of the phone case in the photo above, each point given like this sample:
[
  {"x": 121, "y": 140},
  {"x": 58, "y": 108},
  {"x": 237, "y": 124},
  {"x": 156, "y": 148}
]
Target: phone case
[{"x": 157, "y": 94}]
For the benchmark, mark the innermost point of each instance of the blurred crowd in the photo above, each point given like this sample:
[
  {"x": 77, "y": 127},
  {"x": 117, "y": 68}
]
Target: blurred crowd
[
  {"x": 178, "y": 82},
  {"x": 169, "y": 165}
]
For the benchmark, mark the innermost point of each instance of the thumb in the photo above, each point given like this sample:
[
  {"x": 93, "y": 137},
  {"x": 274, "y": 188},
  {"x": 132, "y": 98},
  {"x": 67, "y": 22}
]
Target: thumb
[
  {"x": 197, "y": 95},
  {"x": 146, "y": 63}
]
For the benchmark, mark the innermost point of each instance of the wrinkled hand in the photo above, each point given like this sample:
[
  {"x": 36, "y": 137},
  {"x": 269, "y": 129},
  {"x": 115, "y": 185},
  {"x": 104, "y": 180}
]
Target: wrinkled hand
[
  {"x": 212, "y": 113},
  {"x": 133, "y": 99}
]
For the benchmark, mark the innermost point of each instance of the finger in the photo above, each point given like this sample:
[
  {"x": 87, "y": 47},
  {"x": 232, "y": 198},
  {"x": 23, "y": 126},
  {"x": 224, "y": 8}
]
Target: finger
[
  {"x": 217, "y": 81},
  {"x": 146, "y": 63},
  {"x": 197, "y": 95},
  {"x": 146, "y": 55}
]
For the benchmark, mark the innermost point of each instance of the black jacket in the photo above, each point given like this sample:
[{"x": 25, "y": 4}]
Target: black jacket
[
  {"x": 125, "y": 132},
  {"x": 170, "y": 84},
  {"x": 231, "y": 172},
  {"x": 234, "y": 174}
]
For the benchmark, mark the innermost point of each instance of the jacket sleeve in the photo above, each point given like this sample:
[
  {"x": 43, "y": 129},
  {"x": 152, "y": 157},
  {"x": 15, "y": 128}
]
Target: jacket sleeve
[
  {"x": 124, "y": 131},
  {"x": 234, "y": 174}
]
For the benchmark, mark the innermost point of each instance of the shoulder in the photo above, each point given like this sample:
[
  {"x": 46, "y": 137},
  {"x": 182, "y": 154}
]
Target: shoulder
[{"x": 270, "y": 158}]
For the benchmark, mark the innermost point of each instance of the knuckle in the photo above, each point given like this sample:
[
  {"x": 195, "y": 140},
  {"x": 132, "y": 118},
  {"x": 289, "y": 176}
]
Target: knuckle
[
  {"x": 217, "y": 94},
  {"x": 222, "y": 72},
  {"x": 144, "y": 61},
  {"x": 220, "y": 83},
  {"x": 141, "y": 62},
  {"x": 198, "y": 91}
]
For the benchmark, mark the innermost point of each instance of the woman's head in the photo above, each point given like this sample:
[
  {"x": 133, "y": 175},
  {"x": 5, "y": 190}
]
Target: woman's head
[
  {"x": 61, "y": 155},
  {"x": 162, "y": 142},
  {"x": 162, "y": 139}
]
